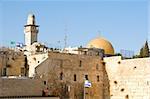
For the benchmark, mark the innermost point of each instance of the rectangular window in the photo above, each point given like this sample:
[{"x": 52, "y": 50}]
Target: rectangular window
[
  {"x": 80, "y": 64},
  {"x": 98, "y": 78},
  {"x": 61, "y": 76},
  {"x": 75, "y": 77},
  {"x": 98, "y": 53},
  {"x": 104, "y": 63},
  {"x": 97, "y": 66},
  {"x": 44, "y": 82},
  {"x": 22, "y": 71},
  {"x": 4, "y": 71},
  {"x": 86, "y": 77}
]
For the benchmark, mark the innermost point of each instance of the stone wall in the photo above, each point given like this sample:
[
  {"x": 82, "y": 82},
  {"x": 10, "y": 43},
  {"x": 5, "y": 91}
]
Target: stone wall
[
  {"x": 59, "y": 71},
  {"x": 20, "y": 87},
  {"x": 12, "y": 63},
  {"x": 16, "y": 65},
  {"x": 129, "y": 78}
]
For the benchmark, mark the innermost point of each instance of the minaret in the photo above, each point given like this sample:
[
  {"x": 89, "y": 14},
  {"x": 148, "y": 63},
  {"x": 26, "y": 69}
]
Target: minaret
[{"x": 30, "y": 30}]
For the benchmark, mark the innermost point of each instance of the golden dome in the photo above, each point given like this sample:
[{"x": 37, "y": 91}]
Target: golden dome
[{"x": 103, "y": 44}]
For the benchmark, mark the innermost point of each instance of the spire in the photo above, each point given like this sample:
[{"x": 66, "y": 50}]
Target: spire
[{"x": 31, "y": 19}]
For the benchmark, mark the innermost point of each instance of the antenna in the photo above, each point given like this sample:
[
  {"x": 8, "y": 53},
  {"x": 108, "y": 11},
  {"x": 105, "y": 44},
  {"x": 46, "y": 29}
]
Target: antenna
[
  {"x": 99, "y": 33},
  {"x": 149, "y": 24},
  {"x": 148, "y": 38},
  {"x": 65, "y": 38}
]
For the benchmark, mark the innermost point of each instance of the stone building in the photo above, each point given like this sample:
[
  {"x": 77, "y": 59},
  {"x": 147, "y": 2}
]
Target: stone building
[
  {"x": 35, "y": 60},
  {"x": 36, "y": 52},
  {"x": 13, "y": 63},
  {"x": 64, "y": 74},
  {"x": 84, "y": 51}
]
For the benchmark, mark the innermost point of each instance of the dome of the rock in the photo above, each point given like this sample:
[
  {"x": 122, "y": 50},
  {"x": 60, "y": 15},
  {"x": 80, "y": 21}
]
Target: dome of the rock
[{"x": 101, "y": 43}]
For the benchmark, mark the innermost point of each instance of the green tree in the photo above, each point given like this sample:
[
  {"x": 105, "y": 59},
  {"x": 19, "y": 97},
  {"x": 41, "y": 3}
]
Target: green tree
[{"x": 144, "y": 51}]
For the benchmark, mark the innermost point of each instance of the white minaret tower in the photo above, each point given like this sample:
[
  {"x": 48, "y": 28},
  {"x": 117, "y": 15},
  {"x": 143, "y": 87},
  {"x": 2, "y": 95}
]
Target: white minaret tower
[{"x": 30, "y": 30}]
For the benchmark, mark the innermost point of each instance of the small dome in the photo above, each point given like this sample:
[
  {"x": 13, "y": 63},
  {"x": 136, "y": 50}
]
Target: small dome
[{"x": 103, "y": 44}]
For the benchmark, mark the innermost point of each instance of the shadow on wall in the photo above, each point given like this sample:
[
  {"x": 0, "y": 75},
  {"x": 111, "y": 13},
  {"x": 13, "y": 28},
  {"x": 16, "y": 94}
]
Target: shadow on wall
[{"x": 106, "y": 84}]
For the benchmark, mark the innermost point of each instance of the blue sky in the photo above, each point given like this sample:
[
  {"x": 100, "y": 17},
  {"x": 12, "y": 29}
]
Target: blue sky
[{"x": 123, "y": 22}]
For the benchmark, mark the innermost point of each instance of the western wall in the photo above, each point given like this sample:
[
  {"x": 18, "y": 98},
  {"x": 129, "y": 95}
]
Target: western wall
[{"x": 129, "y": 78}]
